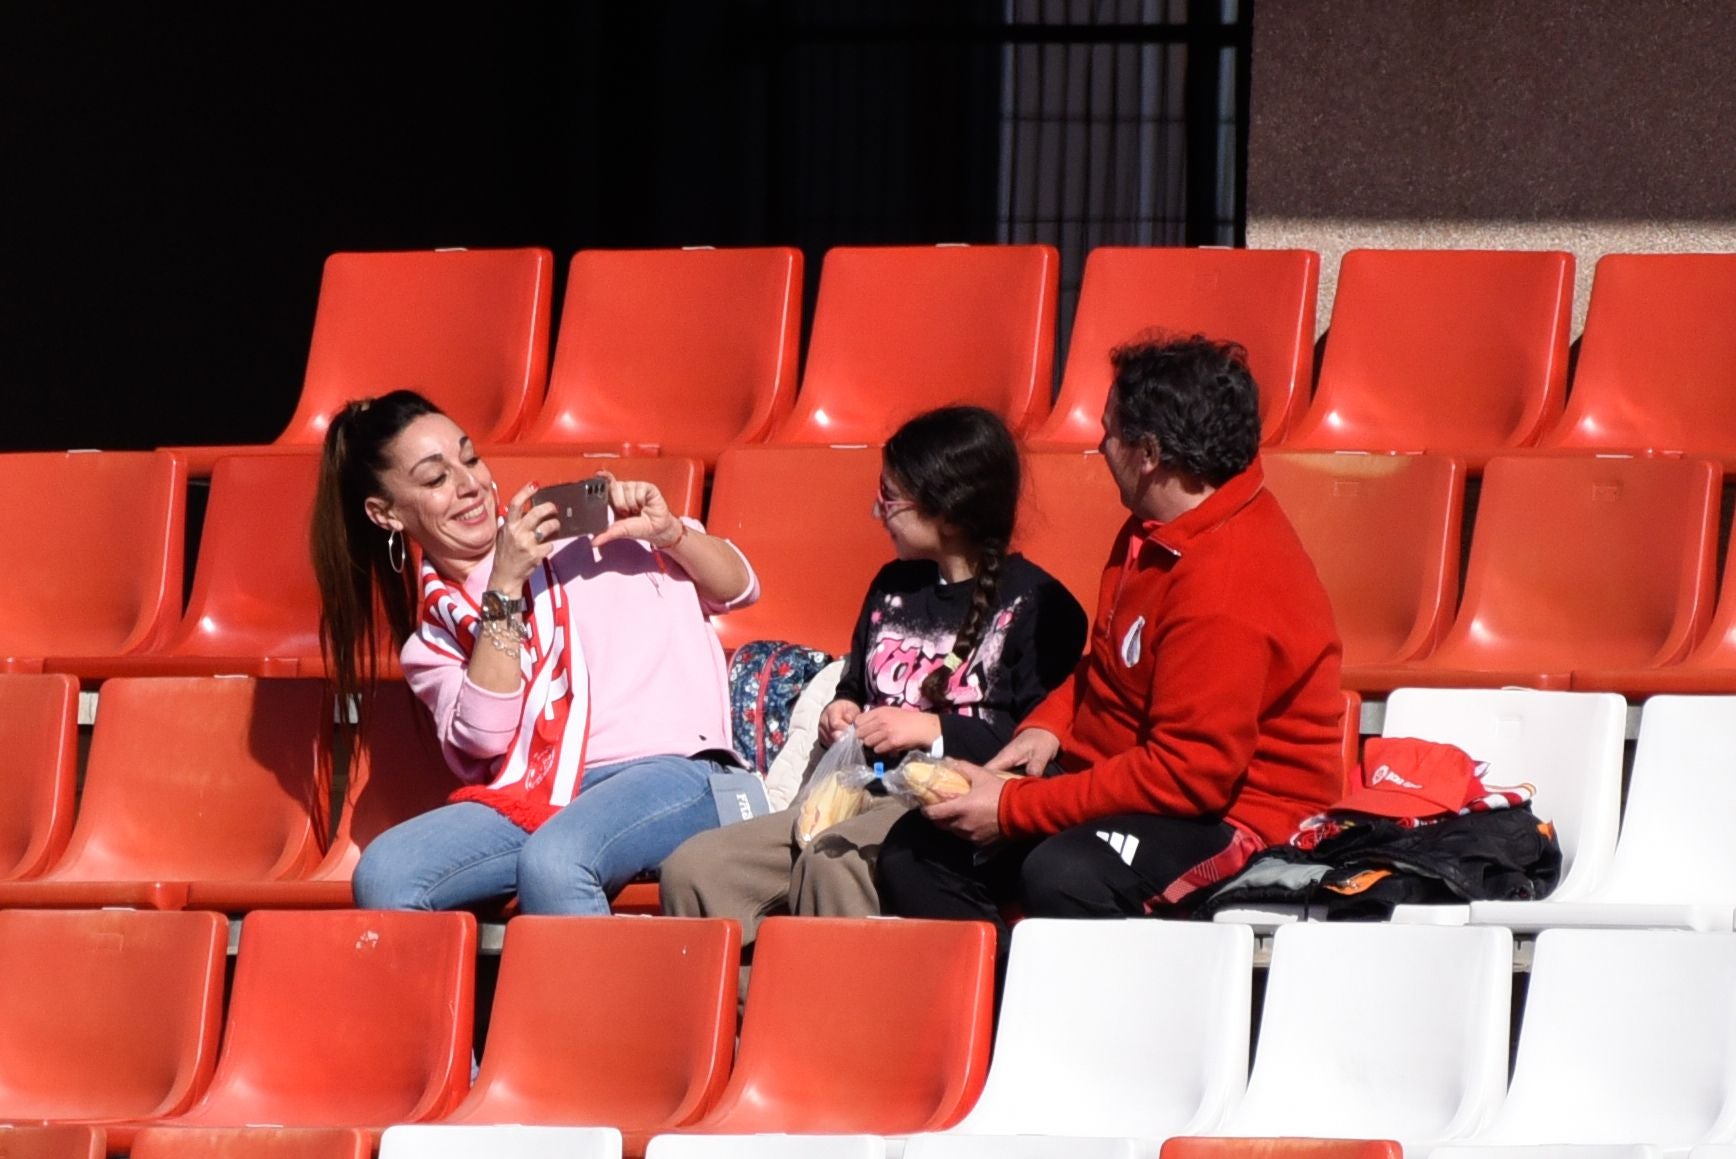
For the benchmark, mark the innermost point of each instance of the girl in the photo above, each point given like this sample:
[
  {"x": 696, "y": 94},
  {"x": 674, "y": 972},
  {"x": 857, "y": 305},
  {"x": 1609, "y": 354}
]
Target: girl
[{"x": 957, "y": 640}]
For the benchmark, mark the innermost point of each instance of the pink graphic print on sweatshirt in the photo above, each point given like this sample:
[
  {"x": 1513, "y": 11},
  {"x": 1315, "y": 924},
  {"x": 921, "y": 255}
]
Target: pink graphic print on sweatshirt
[{"x": 902, "y": 657}]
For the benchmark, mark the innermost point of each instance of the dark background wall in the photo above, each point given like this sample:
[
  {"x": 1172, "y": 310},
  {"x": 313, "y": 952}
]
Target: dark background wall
[
  {"x": 175, "y": 174},
  {"x": 1581, "y": 125}
]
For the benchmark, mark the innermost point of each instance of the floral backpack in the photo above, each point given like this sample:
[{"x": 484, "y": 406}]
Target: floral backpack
[{"x": 765, "y": 678}]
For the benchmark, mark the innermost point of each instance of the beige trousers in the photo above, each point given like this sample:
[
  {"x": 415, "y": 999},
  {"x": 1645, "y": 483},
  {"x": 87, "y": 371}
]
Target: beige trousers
[{"x": 754, "y": 869}]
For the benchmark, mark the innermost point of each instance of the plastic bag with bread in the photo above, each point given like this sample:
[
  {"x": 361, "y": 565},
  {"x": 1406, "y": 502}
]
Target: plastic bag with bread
[{"x": 836, "y": 790}]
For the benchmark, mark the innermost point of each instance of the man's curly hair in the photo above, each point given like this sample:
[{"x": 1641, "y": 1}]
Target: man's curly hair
[{"x": 1195, "y": 397}]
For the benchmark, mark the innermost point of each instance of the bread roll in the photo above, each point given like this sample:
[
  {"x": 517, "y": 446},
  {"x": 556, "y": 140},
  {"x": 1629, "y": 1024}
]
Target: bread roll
[{"x": 932, "y": 782}]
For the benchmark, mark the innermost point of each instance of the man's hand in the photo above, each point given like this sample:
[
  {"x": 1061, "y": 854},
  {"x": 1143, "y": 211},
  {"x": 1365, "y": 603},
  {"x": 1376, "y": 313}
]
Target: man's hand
[
  {"x": 835, "y": 718},
  {"x": 1029, "y": 752},
  {"x": 976, "y": 816},
  {"x": 891, "y": 730}
]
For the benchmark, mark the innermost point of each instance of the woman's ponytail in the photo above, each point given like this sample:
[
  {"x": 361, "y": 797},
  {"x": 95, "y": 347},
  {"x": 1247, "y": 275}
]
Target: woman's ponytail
[{"x": 366, "y": 603}]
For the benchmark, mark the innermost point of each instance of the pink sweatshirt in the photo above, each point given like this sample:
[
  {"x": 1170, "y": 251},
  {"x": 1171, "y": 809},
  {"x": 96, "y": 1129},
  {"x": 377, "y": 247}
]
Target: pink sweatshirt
[{"x": 658, "y": 679}]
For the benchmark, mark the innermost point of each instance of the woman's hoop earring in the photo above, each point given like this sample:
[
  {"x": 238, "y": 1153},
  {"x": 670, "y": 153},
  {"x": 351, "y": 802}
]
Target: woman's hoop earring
[{"x": 395, "y": 551}]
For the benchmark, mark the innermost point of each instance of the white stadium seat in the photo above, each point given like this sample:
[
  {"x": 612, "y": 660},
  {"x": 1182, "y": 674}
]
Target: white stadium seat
[
  {"x": 1628, "y": 1037},
  {"x": 1135, "y": 1029},
  {"x": 1674, "y": 864},
  {"x": 1380, "y": 1031},
  {"x": 1566, "y": 744}
]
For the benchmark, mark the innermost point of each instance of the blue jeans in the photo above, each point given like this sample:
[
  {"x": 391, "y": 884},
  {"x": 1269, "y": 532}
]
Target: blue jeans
[{"x": 626, "y": 819}]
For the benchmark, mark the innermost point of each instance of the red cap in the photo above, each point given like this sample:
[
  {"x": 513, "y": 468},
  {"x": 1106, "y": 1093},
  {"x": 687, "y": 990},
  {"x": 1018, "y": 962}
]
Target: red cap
[{"x": 1405, "y": 777}]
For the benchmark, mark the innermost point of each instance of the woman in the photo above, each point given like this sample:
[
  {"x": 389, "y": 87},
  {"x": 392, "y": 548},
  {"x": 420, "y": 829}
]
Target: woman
[
  {"x": 576, "y": 687},
  {"x": 957, "y": 640}
]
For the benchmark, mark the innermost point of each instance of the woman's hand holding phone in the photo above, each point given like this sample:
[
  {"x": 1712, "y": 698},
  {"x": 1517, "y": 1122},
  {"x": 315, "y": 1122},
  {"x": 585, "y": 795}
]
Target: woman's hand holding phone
[
  {"x": 524, "y": 540},
  {"x": 641, "y": 512}
]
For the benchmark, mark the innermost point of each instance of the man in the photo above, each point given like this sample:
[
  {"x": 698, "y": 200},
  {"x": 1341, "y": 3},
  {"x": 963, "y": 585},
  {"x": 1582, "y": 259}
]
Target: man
[{"x": 1203, "y": 722}]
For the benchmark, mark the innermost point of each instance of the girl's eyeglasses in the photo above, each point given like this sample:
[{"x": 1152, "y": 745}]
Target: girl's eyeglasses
[{"x": 887, "y": 505}]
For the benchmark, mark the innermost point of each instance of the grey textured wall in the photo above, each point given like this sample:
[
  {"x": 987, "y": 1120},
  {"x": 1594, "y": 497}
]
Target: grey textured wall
[{"x": 1594, "y": 126}]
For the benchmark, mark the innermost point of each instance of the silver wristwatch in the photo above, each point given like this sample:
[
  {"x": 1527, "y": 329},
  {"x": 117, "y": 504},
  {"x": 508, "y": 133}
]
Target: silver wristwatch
[{"x": 498, "y": 607}]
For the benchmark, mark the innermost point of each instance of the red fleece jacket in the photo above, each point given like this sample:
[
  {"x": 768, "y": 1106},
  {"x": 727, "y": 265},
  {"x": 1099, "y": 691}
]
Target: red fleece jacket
[{"x": 1210, "y": 686}]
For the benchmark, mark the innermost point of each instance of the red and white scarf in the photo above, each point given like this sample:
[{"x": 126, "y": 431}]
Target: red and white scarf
[{"x": 542, "y": 769}]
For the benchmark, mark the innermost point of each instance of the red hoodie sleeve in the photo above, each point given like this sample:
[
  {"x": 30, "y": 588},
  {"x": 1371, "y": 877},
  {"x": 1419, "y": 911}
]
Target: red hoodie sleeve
[{"x": 1208, "y": 677}]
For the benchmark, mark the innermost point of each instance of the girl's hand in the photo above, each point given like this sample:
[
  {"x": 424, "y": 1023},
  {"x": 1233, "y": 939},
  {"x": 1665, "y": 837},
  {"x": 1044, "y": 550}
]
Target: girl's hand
[
  {"x": 890, "y": 730},
  {"x": 640, "y": 513},
  {"x": 523, "y": 541},
  {"x": 836, "y": 717}
]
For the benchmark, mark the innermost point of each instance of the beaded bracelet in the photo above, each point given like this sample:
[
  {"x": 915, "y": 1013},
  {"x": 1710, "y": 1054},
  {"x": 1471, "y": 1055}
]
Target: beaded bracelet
[{"x": 492, "y": 631}]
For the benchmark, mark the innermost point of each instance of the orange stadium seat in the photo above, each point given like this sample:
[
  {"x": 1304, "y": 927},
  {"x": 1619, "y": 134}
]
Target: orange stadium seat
[
  {"x": 251, "y": 1143},
  {"x": 1352, "y": 738},
  {"x": 395, "y": 772},
  {"x": 39, "y": 772},
  {"x": 254, "y": 608},
  {"x": 192, "y": 778},
  {"x": 1657, "y": 361},
  {"x": 1069, "y": 518},
  {"x": 105, "y": 537},
  {"x": 107, "y": 1014},
  {"x": 1454, "y": 352},
  {"x": 816, "y": 1058},
  {"x": 682, "y": 350},
  {"x": 900, "y": 329},
  {"x": 57, "y": 1142},
  {"x": 1383, "y": 532},
  {"x": 1709, "y": 668},
  {"x": 469, "y": 329},
  {"x": 801, "y": 516},
  {"x": 642, "y": 1044},
  {"x": 343, "y": 1018},
  {"x": 640, "y": 897},
  {"x": 1196, "y": 1147},
  {"x": 1263, "y": 299},
  {"x": 1577, "y": 563}
]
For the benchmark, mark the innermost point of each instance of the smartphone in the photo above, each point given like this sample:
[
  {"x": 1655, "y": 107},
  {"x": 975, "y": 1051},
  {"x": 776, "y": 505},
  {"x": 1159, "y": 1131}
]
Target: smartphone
[{"x": 581, "y": 507}]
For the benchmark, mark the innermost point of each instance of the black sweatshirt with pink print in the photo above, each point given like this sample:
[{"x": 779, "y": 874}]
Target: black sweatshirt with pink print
[{"x": 906, "y": 629}]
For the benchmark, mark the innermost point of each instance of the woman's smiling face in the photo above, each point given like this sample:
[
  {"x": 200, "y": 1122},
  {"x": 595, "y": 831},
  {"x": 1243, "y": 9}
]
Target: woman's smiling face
[{"x": 438, "y": 492}]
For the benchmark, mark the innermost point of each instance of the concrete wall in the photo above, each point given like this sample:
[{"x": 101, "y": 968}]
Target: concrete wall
[{"x": 1594, "y": 126}]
